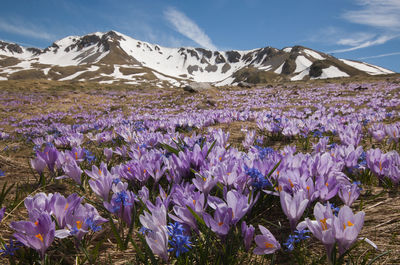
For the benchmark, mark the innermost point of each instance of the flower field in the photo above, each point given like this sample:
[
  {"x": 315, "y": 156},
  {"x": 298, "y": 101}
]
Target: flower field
[{"x": 303, "y": 173}]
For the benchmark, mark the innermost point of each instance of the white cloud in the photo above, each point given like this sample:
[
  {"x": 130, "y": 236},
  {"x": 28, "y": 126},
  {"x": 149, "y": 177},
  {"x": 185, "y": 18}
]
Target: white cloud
[
  {"x": 27, "y": 30},
  {"x": 356, "y": 39},
  {"x": 380, "y": 55},
  {"x": 365, "y": 43},
  {"x": 188, "y": 28},
  {"x": 383, "y": 14}
]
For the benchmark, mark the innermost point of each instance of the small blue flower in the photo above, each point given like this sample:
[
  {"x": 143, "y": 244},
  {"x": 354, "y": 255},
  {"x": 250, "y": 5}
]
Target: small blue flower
[
  {"x": 301, "y": 235},
  {"x": 180, "y": 244},
  {"x": 143, "y": 230},
  {"x": 92, "y": 225},
  {"x": 10, "y": 249},
  {"x": 175, "y": 229},
  {"x": 116, "y": 180},
  {"x": 289, "y": 244},
  {"x": 2, "y": 174},
  {"x": 123, "y": 198}
]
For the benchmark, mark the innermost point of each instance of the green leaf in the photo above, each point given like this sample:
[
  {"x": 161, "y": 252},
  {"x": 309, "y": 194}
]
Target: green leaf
[
  {"x": 273, "y": 170},
  {"x": 211, "y": 147},
  {"x": 196, "y": 216},
  {"x": 169, "y": 148},
  {"x": 377, "y": 257}
]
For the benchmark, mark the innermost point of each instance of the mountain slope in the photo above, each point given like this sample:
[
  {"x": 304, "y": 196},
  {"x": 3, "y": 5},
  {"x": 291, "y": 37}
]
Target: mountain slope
[{"x": 114, "y": 57}]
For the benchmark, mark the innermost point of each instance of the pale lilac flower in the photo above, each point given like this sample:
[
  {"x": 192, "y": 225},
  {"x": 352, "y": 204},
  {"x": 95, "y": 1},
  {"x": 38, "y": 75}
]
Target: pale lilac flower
[{"x": 266, "y": 242}]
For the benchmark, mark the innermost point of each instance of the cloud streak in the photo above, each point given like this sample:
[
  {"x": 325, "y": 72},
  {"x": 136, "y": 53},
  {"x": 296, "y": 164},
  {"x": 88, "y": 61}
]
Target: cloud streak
[
  {"x": 383, "y": 14},
  {"x": 380, "y": 55},
  {"x": 187, "y": 27},
  {"x": 383, "y": 18},
  {"x": 27, "y": 31},
  {"x": 364, "y": 43}
]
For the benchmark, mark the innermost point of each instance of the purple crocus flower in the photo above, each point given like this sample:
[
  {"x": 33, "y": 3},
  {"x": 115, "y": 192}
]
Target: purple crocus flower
[
  {"x": 2, "y": 212},
  {"x": 349, "y": 193},
  {"x": 80, "y": 221},
  {"x": 73, "y": 171},
  {"x": 38, "y": 164},
  {"x": 321, "y": 228},
  {"x": 266, "y": 242},
  {"x": 247, "y": 234},
  {"x": 220, "y": 224},
  {"x": 61, "y": 206},
  {"x": 293, "y": 206},
  {"x": 49, "y": 155},
  {"x": 156, "y": 225},
  {"x": 108, "y": 152},
  {"x": 346, "y": 227},
  {"x": 101, "y": 181},
  {"x": 38, "y": 204},
  {"x": 37, "y": 235}
]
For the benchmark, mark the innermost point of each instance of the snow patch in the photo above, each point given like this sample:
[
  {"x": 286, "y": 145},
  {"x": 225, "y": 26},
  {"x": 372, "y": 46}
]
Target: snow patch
[
  {"x": 302, "y": 63},
  {"x": 331, "y": 72},
  {"x": 314, "y": 54},
  {"x": 301, "y": 75},
  {"x": 369, "y": 69}
]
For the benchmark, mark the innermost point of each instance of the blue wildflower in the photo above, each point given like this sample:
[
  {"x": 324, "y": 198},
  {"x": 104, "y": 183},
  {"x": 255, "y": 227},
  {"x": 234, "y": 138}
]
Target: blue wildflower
[
  {"x": 289, "y": 244},
  {"x": 259, "y": 181},
  {"x": 175, "y": 229},
  {"x": 318, "y": 134},
  {"x": 123, "y": 198},
  {"x": 301, "y": 235},
  {"x": 116, "y": 180},
  {"x": 264, "y": 151},
  {"x": 9, "y": 250},
  {"x": 89, "y": 156},
  {"x": 2, "y": 174},
  {"x": 335, "y": 210},
  {"x": 144, "y": 230},
  {"x": 179, "y": 242},
  {"x": 92, "y": 225}
]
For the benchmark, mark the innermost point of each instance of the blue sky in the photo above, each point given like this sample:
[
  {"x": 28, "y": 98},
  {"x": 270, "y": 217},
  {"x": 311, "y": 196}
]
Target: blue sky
[{"x": 367, "y": 30}]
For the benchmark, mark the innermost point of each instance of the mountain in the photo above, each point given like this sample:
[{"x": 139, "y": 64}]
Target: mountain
[{"x": 114, "y": 57}]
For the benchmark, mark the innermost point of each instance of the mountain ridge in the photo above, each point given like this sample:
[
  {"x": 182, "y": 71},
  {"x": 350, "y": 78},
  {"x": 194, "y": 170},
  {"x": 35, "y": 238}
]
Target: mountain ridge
[{"x": 109, "y": 57}]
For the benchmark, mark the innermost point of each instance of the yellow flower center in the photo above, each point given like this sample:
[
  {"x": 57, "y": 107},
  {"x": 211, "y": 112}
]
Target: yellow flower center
[
  {"x": 348, "y": 224},
  {"x": 220, "y": 223},
  {"x": 78, "y": 224},
  {"x": 269, "y": 245},
  {"x": 40, "y": 237},
  {"x": 66, "y": 207},
  {"x": 76, "y": 155},
  {"x": 324, "y": 225}
]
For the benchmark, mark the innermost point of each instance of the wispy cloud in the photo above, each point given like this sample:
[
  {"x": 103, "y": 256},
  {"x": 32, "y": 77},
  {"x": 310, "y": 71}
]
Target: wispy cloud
[
  {"x": 376, "y": 13},
  {"x": 188, "y": 28},
  {"x": 380, "y": 55},
  {"x": 382, "y": 17},
  {"x": 363, "y": 44},
  {"x": 25, "y": 29}
]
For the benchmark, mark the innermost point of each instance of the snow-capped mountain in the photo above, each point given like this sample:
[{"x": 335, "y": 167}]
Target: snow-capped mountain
[{"x": 114, "y": 57}]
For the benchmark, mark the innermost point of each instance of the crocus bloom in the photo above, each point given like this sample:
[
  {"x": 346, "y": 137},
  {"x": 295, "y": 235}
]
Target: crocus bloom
[
  {"x": 2, "y": 212},
  {"x": 220, "y": 224},
  {"x": 266, "y": 242},
  {"x": 346, "y": 227},
  {"x": 321, "y": 227},
  {"x": 293, "y": 206},
  {"x": 247, "y": 234},
  {"x": 73, "y": 171},
  {"x": 349, "y": 193},
  {"x": 38, "y": 164},
  {"x": 37, "y": 235}
]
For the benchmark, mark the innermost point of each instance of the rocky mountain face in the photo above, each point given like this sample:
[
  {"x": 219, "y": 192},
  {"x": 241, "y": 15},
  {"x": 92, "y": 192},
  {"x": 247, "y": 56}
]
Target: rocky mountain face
[{"x": 113, "y": 57}]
